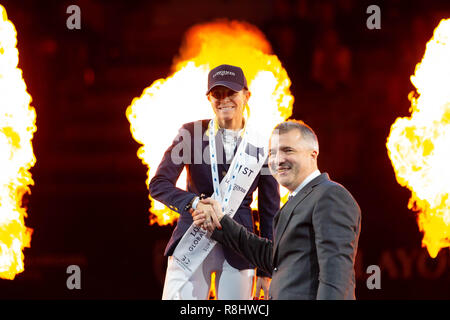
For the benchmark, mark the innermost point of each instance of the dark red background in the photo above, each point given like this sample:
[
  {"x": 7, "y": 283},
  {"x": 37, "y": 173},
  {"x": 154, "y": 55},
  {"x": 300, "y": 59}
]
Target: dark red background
[{"x": 89, "y": 206}]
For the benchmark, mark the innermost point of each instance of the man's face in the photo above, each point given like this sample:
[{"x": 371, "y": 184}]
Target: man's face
[
  {"x": 291, "y": 160},
  {"x": 227, "y": 104}
]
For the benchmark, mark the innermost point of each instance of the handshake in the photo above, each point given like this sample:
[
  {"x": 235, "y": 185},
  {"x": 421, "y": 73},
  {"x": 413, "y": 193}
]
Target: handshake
[{"x": 208, "y": 214}]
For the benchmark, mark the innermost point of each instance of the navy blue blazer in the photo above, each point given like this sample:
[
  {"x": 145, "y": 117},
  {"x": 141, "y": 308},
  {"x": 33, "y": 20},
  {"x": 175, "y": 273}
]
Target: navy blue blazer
[{"x": 190, "y": 149}]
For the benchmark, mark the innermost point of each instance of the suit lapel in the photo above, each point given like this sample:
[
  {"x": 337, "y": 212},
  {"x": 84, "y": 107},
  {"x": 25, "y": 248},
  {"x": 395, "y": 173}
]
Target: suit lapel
[
  {"x": 277, "y": 217},
  {"x": 222, "y": 166},
  {"x": 283, "y": 216},
  {"x": 285, "y": 213},
  {"x": 221, "y": 158}
]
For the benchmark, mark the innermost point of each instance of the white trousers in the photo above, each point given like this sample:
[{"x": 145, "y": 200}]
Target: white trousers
[{"x": 231, "y": 283}]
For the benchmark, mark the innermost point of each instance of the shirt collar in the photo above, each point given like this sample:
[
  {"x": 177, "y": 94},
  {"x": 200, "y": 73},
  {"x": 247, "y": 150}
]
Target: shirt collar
[
  {"x": 308, "y": 179},
  {"x": 217, "y": 127}
]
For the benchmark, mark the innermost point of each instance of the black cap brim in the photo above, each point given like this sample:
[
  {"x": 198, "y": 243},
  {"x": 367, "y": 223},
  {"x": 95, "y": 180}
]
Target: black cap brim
[{"x": 230, "y": 85}]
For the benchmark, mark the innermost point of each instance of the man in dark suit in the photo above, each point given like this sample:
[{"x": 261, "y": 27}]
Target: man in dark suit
[
  {"x": 228, "y": 94},
  {"x": 315, "y": 233}
]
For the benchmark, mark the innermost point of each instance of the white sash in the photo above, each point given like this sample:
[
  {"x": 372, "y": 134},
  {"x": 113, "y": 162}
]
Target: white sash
[{"x": 195, "y": 245}]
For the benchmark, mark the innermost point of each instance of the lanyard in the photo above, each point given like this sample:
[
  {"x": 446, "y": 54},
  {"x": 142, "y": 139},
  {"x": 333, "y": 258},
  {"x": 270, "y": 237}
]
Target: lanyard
[
  {"x": 195, "y": 245},
  {"x": 235, "y": 166}
]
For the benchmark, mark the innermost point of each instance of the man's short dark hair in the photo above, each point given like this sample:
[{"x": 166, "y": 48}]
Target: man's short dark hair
[{"x": 306, "y": 132}]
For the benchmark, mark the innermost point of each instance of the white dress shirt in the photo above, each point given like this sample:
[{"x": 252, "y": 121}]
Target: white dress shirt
[
  {"x": 304, "y": 183},
  {"x": 230, "y": 139}
]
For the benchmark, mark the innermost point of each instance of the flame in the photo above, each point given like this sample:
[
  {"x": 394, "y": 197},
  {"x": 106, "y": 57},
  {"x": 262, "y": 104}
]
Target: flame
[
  {"x": 212, "y": 295},
  {"x": 17, "y": 125},
  {"x": 419, "y": 145},
  {"x": 167, "y": 104}
]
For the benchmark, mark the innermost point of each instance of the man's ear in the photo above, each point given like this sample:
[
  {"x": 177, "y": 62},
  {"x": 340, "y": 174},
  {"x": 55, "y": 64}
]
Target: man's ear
[{"x": 314, "y": 154}]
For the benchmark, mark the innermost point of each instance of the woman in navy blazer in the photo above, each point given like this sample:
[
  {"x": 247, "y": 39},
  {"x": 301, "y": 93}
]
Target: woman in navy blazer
[{"x": 228, "y": 94}]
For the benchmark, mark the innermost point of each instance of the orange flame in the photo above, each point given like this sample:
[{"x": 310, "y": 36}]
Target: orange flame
[
  {"x": 212, "y": 295},
  {"x": 419, "y": 146},
  {"x": 17, "y": 125},
  {"x": 167, "y": 104}
]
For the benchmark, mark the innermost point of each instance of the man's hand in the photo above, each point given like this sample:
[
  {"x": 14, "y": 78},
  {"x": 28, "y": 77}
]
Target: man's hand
[
  {"x": 262, "y": 283},
  {"x": 208, "y": 214}
]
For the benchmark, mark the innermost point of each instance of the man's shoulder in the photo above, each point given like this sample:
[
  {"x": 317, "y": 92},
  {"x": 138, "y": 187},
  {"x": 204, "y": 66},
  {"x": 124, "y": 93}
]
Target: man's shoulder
[
  {"x": 329, "y": 186},
  {"x": 334, "y": 190}
]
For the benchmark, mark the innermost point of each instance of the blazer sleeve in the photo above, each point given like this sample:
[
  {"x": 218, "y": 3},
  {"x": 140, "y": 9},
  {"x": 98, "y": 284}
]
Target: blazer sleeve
[
  {"x": 336, "y": 223},
  {"x": 256, "y": 250},
  {"x": 162, "y": 187},
  {"x": 268, "y": 205},
  {"x": 268, "y": 202}
]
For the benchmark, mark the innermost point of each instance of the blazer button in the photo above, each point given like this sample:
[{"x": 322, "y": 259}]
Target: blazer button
[
  {"x": 224, "y": 173},
  {"x": 275, "y": 269}
]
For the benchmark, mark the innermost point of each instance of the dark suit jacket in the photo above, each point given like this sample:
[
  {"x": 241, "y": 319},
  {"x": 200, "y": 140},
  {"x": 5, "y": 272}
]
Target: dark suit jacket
[
  {"x": 191, "y": 148},
  {"x": 315, "y": 241}
]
